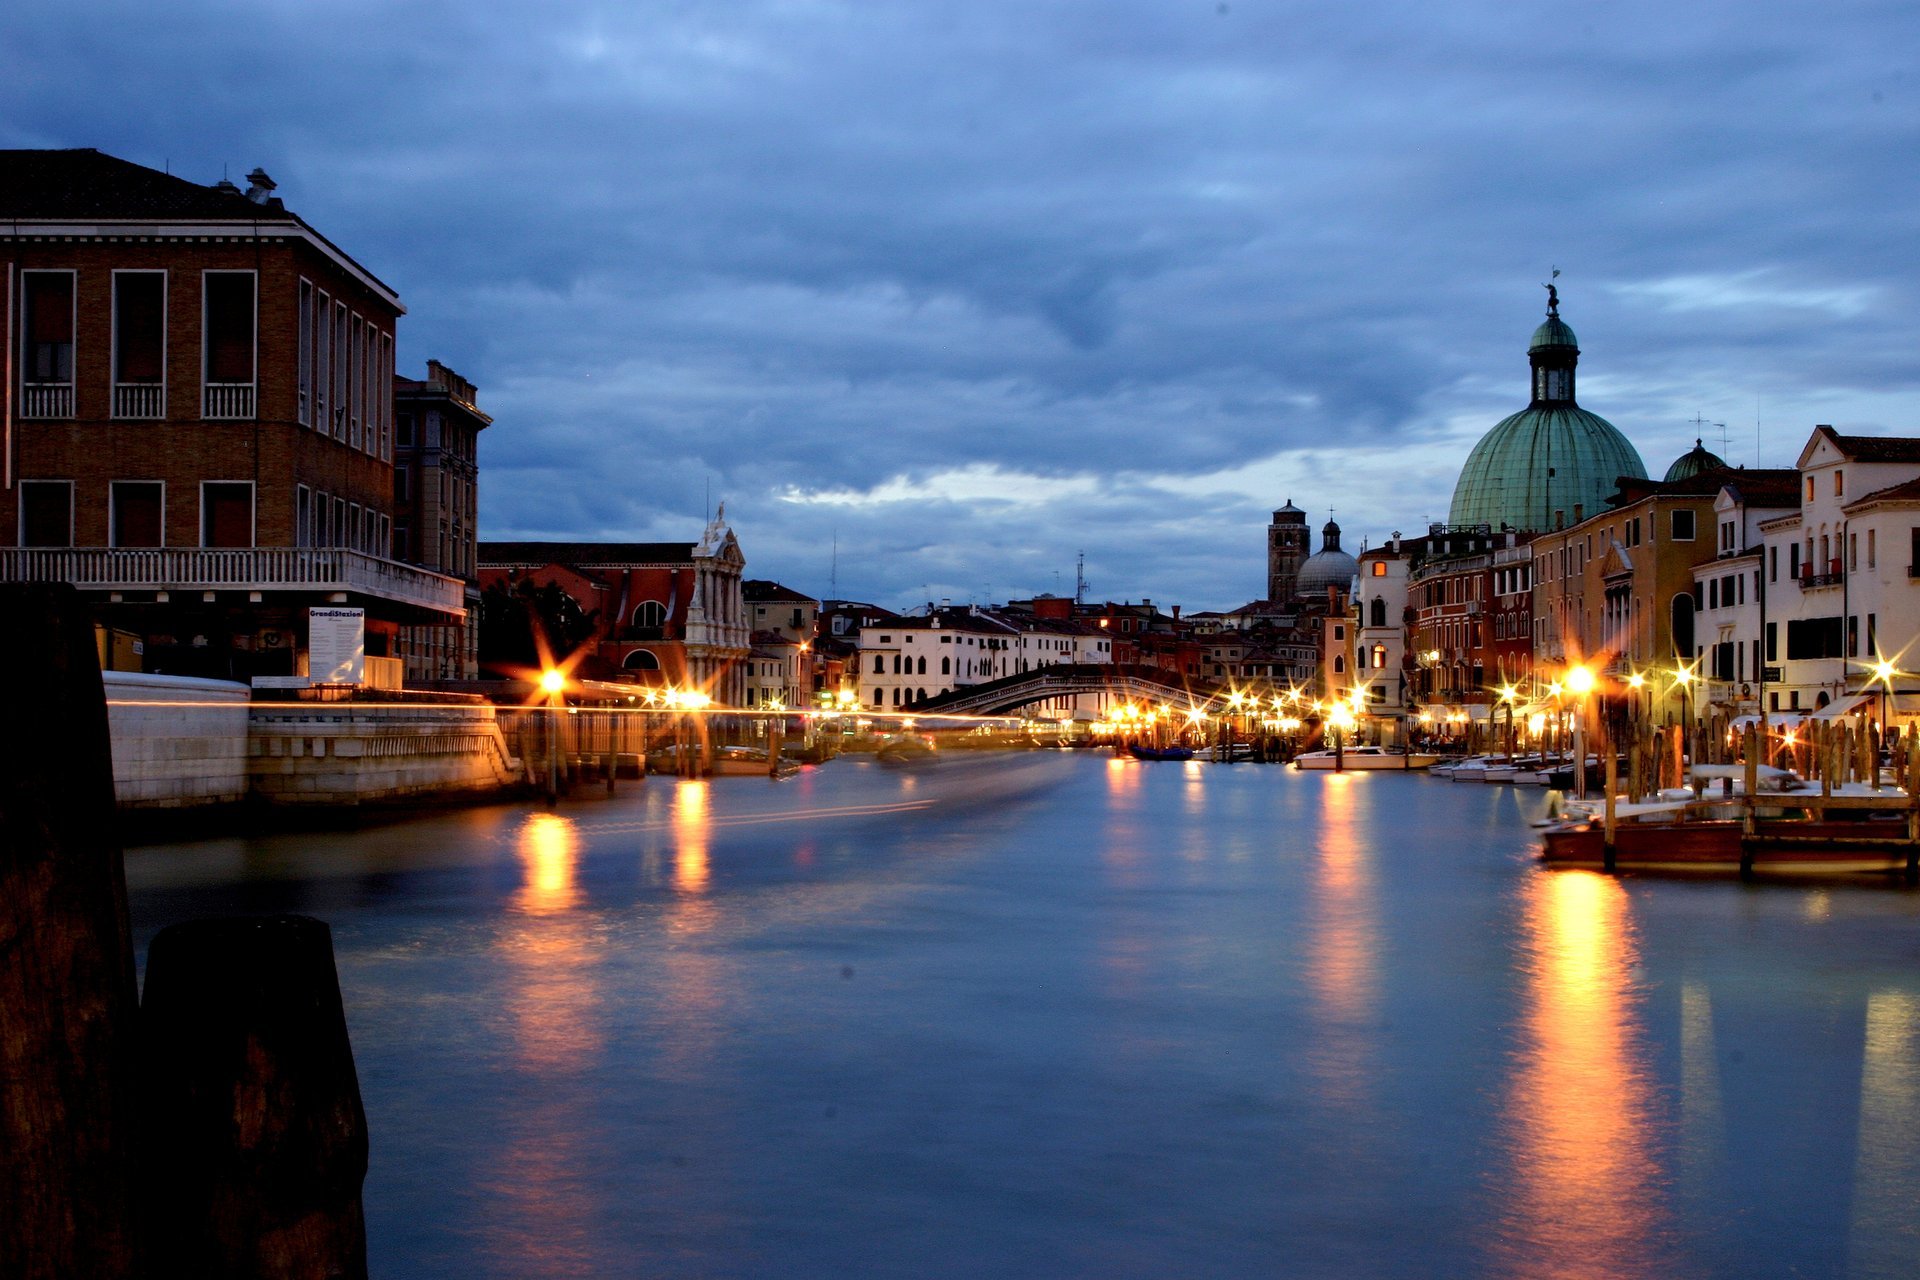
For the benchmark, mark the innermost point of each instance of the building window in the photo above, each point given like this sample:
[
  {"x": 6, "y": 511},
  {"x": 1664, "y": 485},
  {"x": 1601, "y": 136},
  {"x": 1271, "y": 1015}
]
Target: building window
[
  {"x": 47, "y": 323},
  {"x": 650, "y": 613},
  {"x": 226, "y": 513},
  {"x": 1682, "y": 526},
  {"x": 139, "y": 344},
  {"x": 136, "y": 515},
  {"x": 302, "y": 516},
  {"x": 304, "y": 308},
  {"x": 1870, "y": 542},
  {"x": 1838, "y": 485},
  {"x": 228, "y": 333},
  {"x": 879, "y": 664},
  {"x": 1809, "y": 488},
  {"x": 46, "y": 513},
  {"x": 1379, "y": 568}
]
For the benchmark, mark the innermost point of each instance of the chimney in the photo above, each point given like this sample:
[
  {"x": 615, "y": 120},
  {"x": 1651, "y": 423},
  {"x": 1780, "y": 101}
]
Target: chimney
[
  {"x": 1579, "y": 512},
  {"x": 1559, "y": 518},
  {"x": 259, "y": 185}
]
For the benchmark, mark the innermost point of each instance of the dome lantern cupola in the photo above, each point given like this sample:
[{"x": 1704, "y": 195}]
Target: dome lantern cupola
[
  {"x": 1553, "y": 353},
  {"x": 1551, "y": 463}
]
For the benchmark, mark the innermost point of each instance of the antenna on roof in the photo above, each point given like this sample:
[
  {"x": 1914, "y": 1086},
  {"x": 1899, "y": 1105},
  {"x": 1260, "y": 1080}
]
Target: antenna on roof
[{"x": 1080, "y": 579}]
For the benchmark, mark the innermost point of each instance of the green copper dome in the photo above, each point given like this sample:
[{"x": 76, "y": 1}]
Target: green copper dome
[
  {"x": 1693, "y": 462},
  {"x": 1552, "y": 456},
  {"x": 1543, "y": 459}
]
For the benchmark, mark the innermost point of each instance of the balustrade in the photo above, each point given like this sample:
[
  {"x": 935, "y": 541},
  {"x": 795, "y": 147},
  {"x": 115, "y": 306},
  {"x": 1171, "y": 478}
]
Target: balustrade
[
  {"x": 232, "y": 569},
  {"x": 229, "y": 400},
  {"x": 46, "y": 400},
  {"x": 139, "y": 400}
]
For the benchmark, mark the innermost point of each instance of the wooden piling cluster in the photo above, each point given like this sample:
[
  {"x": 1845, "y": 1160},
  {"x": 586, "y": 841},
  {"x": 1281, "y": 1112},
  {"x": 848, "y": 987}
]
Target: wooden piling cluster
[{"x": 213, "y": 1131}]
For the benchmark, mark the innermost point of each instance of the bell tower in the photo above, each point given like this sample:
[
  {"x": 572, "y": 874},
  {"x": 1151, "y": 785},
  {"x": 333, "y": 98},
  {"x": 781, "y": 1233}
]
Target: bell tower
[{"x": 1287, "y": 546}]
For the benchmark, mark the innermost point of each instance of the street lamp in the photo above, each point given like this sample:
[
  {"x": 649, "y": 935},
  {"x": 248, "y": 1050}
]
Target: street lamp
[
  {"x": 553, "y": 683},
  {"x": 1339, "y": 720},
  {"x": 1580, "y": 685}
]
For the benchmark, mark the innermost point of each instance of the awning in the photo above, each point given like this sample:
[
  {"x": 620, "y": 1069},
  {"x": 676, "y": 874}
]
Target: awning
[{"x": 1843, "y": 706}]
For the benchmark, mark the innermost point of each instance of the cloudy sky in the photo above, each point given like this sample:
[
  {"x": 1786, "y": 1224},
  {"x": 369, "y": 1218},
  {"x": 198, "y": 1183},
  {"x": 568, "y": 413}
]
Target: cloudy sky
[{"x": 969, "y": 288}]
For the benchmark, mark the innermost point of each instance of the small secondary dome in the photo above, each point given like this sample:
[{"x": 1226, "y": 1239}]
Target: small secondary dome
[
  {"x": 1327, "y": 567},
  {"x": 1693, "y": 462}
]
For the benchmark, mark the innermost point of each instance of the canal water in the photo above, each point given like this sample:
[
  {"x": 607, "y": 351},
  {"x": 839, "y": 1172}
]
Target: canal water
[{"x": 1058, "y": 1015}]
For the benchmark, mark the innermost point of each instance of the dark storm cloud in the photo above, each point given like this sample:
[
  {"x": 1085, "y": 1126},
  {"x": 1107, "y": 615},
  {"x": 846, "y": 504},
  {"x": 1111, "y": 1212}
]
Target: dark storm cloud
[{"x": 972, "y": 288}]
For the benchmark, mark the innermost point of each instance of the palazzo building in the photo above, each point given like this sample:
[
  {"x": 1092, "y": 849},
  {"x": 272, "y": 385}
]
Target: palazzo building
[{"x": 196, "y": 419}]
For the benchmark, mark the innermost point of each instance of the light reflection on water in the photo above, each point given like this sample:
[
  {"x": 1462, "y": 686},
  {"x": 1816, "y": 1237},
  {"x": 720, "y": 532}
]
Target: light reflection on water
[
  {"x": 1076, "y": 1016},
  {"x": 1343, "y": 947},
  {"x": 1584, "y": 1178}
]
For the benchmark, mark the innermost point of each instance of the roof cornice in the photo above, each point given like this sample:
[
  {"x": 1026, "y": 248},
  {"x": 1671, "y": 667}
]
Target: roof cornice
[{"x": 114, "y": 230}]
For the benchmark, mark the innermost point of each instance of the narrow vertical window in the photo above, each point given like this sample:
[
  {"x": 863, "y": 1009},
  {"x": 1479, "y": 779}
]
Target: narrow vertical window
[
  {"x": 302, "y": 516},
  {"x": 322, "y": 363},
  {"x": 46, "y": 366},
  {"x": 228, "y": 326},
  {"x": 341, "y": 361},
  {"x": 356, "y": 379},
  {"x": 305, "y": 358},
  {"x": 139, "y": 344}
]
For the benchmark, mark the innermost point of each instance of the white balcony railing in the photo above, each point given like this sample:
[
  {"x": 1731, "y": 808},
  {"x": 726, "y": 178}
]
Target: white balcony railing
[
  {"x": 46, "y": 400},
  {"x": 329, "y": 569},
  {"x": 139, "y": 400},
  {"x": 229, "y": 400}
]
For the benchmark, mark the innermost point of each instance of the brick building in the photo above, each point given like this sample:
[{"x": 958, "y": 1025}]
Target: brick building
[
  {"x": 666, "y": 614},
  {"x": 197, "y": 417}
]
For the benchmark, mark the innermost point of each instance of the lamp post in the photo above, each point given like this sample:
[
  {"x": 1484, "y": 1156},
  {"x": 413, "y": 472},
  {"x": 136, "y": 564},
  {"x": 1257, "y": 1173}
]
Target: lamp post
[
  {"x": 1339, "y": 720},
  {"x": 1683, "y": 677},
  {"x": 1580, "y": 685},
  {"x": 553, "y": 683}
]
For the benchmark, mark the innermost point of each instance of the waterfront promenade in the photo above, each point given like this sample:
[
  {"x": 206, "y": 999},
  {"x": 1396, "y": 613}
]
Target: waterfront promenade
[{"x": 1056, "y": 1014}]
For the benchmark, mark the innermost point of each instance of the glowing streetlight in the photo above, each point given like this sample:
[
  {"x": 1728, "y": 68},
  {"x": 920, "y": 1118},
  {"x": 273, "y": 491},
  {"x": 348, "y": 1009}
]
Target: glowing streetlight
[
  {"x": 553, "y": 681},
  {"x": 1579, "y": 681}
]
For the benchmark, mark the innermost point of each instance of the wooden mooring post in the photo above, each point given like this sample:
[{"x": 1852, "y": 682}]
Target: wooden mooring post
[
  {"x": 217, "y": 1132},
  {"x": 67, "y": 998},
  {"x": 255, "y": 1143}
]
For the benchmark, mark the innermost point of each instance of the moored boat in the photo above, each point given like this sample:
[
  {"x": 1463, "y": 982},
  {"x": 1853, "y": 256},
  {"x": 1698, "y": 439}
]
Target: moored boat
[
  {"x": 1142, "y": 751},
  {"x": 1364, "y": 758}
]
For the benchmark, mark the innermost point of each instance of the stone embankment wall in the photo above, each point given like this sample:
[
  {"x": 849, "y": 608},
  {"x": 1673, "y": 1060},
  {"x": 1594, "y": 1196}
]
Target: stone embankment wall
[
  {"x": 346, "y": 753},
  {"x": 178, "y": 742}
]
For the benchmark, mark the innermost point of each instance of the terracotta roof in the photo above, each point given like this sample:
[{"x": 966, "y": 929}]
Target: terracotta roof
[
  {"x": 88, "y": 184},
  {"x": 760, "y": 590},
  {"x": 1878, "y": 448},
  {"x": 1905, "y": 491},
  {"x": 586, "y": 553},
  {"x": 1768, "y": 487}
]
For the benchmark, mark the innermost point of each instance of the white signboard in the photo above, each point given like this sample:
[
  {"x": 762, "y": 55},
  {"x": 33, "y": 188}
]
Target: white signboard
[{"x": 337, "y": 646}]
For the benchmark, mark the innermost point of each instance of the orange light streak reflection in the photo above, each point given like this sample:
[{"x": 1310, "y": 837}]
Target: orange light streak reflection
[
  {"x": 1585, "y": 1188},
  {"x": 1343, "y": 946},
  {"x": 690, "y": 835}
]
